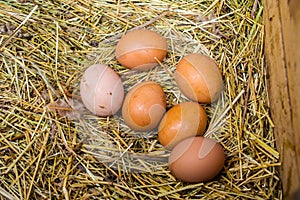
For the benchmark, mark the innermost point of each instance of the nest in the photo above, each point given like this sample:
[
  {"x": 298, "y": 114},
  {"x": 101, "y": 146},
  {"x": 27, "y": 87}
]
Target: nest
[{"x": 51, "y": 147}]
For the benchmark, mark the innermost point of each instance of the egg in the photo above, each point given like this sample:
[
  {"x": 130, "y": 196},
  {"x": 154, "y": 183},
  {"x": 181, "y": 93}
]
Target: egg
[
  {"x": 138, "y": 49},
  {"x": 198, "y": 77},
  {"x": 182, "y": 121},
  {"x": 101, "y": 90},
  {"x": 144, "y": 106},
  {"x": 196, "y": 159}
]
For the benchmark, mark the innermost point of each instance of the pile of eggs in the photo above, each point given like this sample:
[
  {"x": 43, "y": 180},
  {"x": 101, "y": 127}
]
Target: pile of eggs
[{"x": 193, "y": 158}]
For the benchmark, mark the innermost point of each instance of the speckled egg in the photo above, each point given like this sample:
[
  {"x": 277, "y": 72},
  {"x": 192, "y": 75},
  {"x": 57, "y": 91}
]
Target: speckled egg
[{"x": 101, "y": 90}]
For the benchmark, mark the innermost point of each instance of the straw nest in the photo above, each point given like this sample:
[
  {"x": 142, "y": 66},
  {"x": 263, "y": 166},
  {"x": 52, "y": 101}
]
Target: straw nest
[{"x": 52, "y": 148}]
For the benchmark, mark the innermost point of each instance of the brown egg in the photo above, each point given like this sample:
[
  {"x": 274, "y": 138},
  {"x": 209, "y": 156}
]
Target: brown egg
[
  {"x": 180, "y": 122},
  {"x": 199, "y": 78},
  {"x": 138, "y": 49},
  {"x": 101, "y": 90},
  {"x": 196, "y": 159},
  {"x": 144, "y": 106}
]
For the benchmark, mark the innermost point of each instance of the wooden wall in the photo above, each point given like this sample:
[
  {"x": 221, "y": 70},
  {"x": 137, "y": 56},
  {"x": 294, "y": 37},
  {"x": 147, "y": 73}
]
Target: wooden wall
[{"x": 282, "y": 53}]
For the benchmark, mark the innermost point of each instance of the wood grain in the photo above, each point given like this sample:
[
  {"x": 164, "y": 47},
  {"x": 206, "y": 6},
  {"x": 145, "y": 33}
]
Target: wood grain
[{"x": 282, "y": 53}]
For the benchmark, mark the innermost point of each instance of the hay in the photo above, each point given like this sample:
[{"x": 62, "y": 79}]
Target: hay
[{"x": 47, "y": 144}]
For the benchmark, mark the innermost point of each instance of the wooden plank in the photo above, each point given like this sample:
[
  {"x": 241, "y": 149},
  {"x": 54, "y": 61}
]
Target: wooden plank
[{"x": 282, "y": 53}]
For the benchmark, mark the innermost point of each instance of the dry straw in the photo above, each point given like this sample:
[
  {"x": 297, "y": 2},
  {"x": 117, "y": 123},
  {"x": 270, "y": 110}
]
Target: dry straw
[{"x": 52, "y": 148}]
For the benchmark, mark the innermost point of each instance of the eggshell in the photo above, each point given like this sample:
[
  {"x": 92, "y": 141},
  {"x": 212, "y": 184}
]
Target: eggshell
[
  {"x": 196, "y": 159},
  {"x": 144, "y": 106},
  {"x": 199, "y": 78},
  {"x": 180, "y": 122},
  {"x": 138, "y": 49},
  {"x": 101, "y": 90}
]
